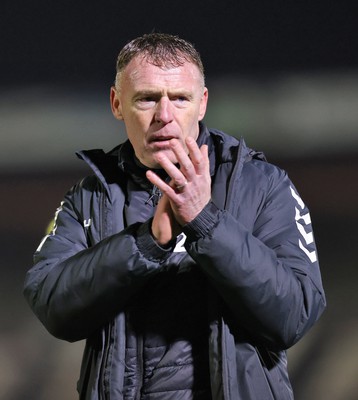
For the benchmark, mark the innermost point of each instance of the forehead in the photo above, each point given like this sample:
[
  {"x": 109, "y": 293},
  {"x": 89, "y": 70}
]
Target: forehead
[{"x": 140, "y": 72}]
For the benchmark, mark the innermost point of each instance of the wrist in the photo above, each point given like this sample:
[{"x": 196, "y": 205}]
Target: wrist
[
  {"x": 202, "y": 224},
  {"x": 148, "y": 245}
]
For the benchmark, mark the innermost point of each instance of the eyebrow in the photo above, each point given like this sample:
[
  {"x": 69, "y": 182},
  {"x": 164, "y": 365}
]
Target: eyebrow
[
  {"x": 158, "y": 93},
  {"x": 144, "y": 93}
]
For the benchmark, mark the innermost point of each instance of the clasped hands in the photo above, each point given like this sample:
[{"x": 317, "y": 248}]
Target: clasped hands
[{"x": 188, "y": 191}]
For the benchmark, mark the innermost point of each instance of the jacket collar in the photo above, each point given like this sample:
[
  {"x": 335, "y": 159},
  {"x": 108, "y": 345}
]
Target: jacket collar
[{"x": 111, "y": 166}]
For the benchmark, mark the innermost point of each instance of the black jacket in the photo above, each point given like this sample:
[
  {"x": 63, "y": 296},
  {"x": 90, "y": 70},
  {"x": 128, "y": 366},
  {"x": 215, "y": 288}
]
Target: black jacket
[{"x": 253, "y": 242}]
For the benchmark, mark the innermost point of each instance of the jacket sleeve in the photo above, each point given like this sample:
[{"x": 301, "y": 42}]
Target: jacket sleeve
[
  {"x": 268, "y": 274},
  {"x": 75, "y": 289}
]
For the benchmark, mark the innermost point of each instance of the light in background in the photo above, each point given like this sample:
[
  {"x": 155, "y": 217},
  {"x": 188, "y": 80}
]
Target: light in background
[{"x": 290, "y": 116}]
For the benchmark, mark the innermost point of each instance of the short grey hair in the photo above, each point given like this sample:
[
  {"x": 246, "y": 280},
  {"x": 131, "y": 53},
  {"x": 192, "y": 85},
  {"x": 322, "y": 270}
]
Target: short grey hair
[{"x": 160, "y": 49}]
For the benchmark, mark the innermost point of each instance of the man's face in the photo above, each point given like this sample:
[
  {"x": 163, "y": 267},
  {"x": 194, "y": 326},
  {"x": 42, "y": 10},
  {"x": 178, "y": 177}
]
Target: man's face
[{"x": 159, "y": 104}]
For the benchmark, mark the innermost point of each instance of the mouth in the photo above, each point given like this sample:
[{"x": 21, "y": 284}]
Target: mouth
[
  {"x": 161, "y": 138},
  {"x": 160, "y": 141}
]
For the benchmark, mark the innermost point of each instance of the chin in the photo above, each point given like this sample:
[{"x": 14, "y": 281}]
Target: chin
[
  {"x": 171, "y": 156},
  {"x": 151, "y": 163}
]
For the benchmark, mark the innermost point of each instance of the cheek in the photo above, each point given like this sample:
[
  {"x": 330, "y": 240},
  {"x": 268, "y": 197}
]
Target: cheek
[
  {"x": 136, "y": 131},
  {"x": 139, "y": 122},
  {"x": 192, "y": 125}
]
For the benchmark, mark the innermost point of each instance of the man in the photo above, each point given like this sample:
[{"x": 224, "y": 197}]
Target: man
[{"x": 187, "y": 262}]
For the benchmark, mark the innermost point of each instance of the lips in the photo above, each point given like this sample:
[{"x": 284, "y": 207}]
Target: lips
[{"x": 160, "y": 138}]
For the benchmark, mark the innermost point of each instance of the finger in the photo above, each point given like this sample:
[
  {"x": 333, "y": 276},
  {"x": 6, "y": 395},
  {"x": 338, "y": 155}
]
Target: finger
[
  {"x": 179, "y": 188},
  {"x": 156, "y": 180},
  {"x": 163, "y": 186},
  {"x": 186, "y": 165},
  {"x": 176, "y": 174},
  {"x": 199, "y": 157}
]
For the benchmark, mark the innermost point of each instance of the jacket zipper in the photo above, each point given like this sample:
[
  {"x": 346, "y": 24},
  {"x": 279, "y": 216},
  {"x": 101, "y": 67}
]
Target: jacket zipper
[
  {"x": 105, "y": 372},
  {"x": 140, "y": 367},
  {"x": 238, "y": 163},
  {"x": 108, "y": 332},
  {"x": 225, "y": 378}
]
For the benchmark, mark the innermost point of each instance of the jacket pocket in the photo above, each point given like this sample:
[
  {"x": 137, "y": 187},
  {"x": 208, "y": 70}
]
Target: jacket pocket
[
  {"x": 90, "y": 368},
  {"x": 274, "y": 366}
]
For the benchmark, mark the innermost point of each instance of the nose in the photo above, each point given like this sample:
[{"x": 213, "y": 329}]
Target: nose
[{"x": 164, "y": 112}]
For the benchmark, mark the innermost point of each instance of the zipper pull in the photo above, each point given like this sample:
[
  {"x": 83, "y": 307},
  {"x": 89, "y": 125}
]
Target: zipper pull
[{"x": 154, "y": 196}]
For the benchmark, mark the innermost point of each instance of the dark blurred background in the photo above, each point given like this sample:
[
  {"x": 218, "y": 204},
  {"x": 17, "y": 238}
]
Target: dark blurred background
[{"x": 283, "y": 74}]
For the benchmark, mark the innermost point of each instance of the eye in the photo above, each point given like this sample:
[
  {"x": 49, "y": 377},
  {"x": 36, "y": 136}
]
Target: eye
[
  {"x": 181, "y": 98},
  {"x": 180, "y": 101},
  {"x": 145, "y": 102},
  {"x": 146, "y": 99}
]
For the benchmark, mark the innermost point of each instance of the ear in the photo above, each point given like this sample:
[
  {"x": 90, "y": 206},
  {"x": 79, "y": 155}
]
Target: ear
[
  {"x": 116, "y": 106},
  {"x": 203, "y": 104}
]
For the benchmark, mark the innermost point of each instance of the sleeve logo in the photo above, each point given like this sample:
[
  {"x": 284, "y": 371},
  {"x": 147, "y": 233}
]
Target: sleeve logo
[
  {"x": 303, "y": 223},
  {"x": 52, "y": 230}
]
